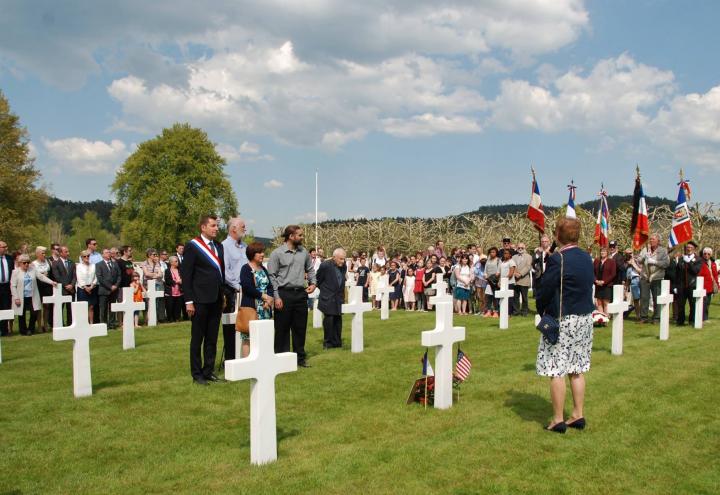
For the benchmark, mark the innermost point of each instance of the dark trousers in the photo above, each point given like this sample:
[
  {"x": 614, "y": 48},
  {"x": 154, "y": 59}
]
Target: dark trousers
[
  {"x": 684, "y": 297},
  {"x": 521, "y": 308},
  {"x": 203, "y": 338},
  {"x": 706, "y": 306},
  {"x": 183, "y": 311},
  {"x": 292, "y": 319},
  {"x": 229, "y": 341},
  {"x": 5, "y": 303},
  {"x": 26, "y": 329},
  {"x": 68, "y": 313},
  {"x": 647, "y": 290},
  {"x": 104, "y": 301},
  {"x": 332, "y": 326},
  {"x": 173, "y": 306}
]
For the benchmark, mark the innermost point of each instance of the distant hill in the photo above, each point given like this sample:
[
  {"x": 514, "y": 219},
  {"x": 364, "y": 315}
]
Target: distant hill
[{"x": 64, "y": 211}]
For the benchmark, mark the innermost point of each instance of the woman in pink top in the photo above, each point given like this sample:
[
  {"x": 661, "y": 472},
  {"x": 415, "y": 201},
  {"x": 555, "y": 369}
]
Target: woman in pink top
[{"x": 173, "y": 290}]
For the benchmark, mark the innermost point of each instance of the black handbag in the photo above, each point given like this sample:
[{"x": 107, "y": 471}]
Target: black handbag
[{"x": 549, "y": 326}]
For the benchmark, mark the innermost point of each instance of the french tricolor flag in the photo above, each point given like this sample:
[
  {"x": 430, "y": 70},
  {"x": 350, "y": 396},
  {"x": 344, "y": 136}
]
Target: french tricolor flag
[
  {"x": 535, "y": 212},
  {"x": 681, "y": 231},
  {"x": 639, "y": 225},
  {"x": 570, "y": 212}
]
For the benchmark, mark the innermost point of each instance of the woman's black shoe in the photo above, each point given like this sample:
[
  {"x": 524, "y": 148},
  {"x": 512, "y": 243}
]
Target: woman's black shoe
[
  {"x": 578, "y": 424},
  {"x": 560, "y": 427}
]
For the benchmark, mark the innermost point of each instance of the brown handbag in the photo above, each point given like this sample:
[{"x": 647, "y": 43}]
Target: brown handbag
[{"x": 244, "y": 317}]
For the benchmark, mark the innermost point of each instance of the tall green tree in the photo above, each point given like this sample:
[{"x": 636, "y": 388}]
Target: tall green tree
[
  {"x": 167, "y": 184},
  {"x": 21, "y": 199}
]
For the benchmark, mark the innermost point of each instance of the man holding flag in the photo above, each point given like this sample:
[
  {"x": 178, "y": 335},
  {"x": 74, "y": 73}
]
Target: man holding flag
[{"x": 654, "y": 259}]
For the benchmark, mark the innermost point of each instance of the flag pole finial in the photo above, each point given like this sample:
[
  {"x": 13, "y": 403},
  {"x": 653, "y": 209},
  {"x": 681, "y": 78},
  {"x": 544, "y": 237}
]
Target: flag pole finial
[
  {"x": 637, "y": 170},
  {"x": 682, "y": 175}
]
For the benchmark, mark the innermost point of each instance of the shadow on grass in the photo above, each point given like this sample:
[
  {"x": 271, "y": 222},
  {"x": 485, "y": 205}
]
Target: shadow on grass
[
  {"x": 530, "y": 407},
  {"x": 528, "y": 367},
  {"x": 108, "y": 384},
  {"x": 282, "y": 434}
]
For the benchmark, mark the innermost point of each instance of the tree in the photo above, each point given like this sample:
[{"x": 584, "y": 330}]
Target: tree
[
  {"x": 167, "y": 184},
  {"x": 21, "y": 200},
  {"x": 86, "y": 227}
]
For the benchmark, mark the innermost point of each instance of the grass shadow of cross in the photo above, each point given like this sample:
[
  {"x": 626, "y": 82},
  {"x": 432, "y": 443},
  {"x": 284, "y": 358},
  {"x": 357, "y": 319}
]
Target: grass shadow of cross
[{"x": 530, "y": 407}]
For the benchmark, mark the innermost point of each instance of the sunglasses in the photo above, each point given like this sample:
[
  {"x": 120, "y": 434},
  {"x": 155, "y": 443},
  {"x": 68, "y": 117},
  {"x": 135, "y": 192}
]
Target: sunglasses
[{"x": 24, "y": 262}]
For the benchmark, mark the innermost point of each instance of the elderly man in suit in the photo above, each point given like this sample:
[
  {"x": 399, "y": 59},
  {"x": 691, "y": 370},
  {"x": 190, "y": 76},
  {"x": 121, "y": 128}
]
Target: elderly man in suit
[
  {"x": 108, "y": 277},
  {"x": 330, "y": 280},
  {"x": 63, "y": 272},
  {"x": 203, "y": 274}
]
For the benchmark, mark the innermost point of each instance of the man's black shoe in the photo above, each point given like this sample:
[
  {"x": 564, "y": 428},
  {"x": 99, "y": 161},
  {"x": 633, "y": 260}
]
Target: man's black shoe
[
  {"x": 303, "y": 364},
  {"x": 214, "y": 378},
  {"x": 200, "y": 381}
]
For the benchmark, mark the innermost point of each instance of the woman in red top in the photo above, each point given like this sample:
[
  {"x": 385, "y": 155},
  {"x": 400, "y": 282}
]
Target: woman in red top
[
  {"x": 709, "y": 273},
  {"x": 419, "y": 294}
]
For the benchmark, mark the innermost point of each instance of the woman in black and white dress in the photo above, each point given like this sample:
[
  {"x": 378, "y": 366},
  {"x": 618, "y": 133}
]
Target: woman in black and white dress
[{"x": 571, "y": 354}]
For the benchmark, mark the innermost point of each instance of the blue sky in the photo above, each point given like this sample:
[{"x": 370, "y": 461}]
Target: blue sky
[{"x": 410, "y": 108}]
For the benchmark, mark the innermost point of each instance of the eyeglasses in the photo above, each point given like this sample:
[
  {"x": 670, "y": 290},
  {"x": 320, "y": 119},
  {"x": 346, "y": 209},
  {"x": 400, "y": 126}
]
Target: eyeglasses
[
  {"x": 24, "y": 262},
  {"x": 86, "y": 256}
]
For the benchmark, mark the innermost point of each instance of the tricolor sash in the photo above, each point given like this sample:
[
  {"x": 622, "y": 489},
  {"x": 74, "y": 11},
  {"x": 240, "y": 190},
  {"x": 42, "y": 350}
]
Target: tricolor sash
[{"x": 208, "y": 253}]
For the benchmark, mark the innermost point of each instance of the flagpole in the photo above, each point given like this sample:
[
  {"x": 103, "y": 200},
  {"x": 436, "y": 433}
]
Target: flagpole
[
  {"x": 540, "y": 234},
  {"x": 316, "y": 208}
]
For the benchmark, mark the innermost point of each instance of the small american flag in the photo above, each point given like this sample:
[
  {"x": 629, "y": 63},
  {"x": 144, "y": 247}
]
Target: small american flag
[{"x": 462, "y": 366}]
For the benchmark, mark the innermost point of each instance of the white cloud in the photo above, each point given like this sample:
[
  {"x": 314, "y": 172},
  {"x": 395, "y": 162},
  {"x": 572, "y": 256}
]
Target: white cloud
[
  {"x": 84, "y": 156},
  {"x": 429, "y": 124},
  {"x": 618, "y": 93},
  {"x": 310, "y": 217},
  {"x": 246, "y": 152},
  {"x": 273, "y": 184}
]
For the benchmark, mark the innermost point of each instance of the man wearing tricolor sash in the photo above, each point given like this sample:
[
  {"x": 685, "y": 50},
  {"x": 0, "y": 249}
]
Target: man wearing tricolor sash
[{"x": 203, "y": 274}]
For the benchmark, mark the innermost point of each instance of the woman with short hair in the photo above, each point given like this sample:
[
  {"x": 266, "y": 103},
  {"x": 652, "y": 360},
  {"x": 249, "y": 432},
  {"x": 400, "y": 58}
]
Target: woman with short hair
[
  {"x": 257, "y": 291},
  {"x": 604, "y": 268},
  {"x": 566, "y": 294},
  {"x": 25, "y": 294},
  {"x": 464, "y": 276},
  {"x": 492, "y": 276},
  {"x": 173, "y": 290},
  {"x": 41, "y": 265}
]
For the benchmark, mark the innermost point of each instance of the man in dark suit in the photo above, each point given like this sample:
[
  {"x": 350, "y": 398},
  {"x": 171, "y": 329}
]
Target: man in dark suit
[
  {"x": 330, "y": 280},
  {"x": 108, "y": 278},
  {"x": 687, "y": 271},
  {"x": 63, "y": 272},
  {"x": 203, "y": 273},
  {"x": 6, "y": 267}
]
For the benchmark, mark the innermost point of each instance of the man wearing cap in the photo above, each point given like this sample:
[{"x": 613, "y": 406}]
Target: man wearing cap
[
  {"x": 688, "y": 268},
  {"x": 522, "y": 279},
  {"x": 654, "y": 260},
  {"x": 619, "y": 260}
]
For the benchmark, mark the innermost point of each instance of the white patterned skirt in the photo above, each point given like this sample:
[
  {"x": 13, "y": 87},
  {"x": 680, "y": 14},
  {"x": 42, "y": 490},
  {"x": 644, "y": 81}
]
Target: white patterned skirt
[{"x": 571, "y": 354}]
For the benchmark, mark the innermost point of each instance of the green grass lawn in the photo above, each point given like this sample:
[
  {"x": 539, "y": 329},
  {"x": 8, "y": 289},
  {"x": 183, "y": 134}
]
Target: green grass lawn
[{"x": 343, "y": 426}]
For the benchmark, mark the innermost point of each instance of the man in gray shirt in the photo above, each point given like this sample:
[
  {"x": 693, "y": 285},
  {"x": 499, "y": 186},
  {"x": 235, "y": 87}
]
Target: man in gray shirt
[
  {"x": 289, "y": 267},
  {"x": 234, "y": 258}
]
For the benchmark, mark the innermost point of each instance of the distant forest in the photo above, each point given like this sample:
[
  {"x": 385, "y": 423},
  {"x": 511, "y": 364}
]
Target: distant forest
[{"x": 64, "y": 211}]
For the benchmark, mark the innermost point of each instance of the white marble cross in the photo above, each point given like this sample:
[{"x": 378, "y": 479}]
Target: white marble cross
[
  {"x": 81, "y": 332},
  {"x": 442, "y": 337},
  {"x": 57, "y": 299},
  {"x": 356, "y": 306},
  {"x": 617, "y": 309},
  {"x": 383, "y": 291},
  {"x": 128, "y": 307},
  {"x": 504, "y": 294},
  {"x": 151, "y": 294},
  {"x": 663, "y": 301},
  {"x": 262, "y": 365},
  {"x": 441, "y": 294},
  {"x": 699, "y": 294},
  {"x": 317, "y": 314},
  {"x": 6, "y": 314}
]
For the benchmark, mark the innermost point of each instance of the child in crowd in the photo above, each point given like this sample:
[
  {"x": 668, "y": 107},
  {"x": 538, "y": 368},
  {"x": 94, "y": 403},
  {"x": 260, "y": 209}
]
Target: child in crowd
[
  {"x": 409, "y": 290},
  {"x": 138, "y": 296}
]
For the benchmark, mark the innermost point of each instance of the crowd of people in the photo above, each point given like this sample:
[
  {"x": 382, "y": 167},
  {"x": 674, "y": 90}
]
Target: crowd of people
[
  {"x": 473, "y": 275},
  {"x": 203, "y": 279}
]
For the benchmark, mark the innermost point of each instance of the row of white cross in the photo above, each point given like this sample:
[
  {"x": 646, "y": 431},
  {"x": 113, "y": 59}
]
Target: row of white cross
[{"x": 262, "y": 365}]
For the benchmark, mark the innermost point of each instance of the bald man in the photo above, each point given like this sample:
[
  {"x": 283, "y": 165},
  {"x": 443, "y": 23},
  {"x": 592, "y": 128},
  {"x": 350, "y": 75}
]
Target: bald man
[
  {"x": 234, "y": 259},
  {"x": 331, "y": 282}
]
